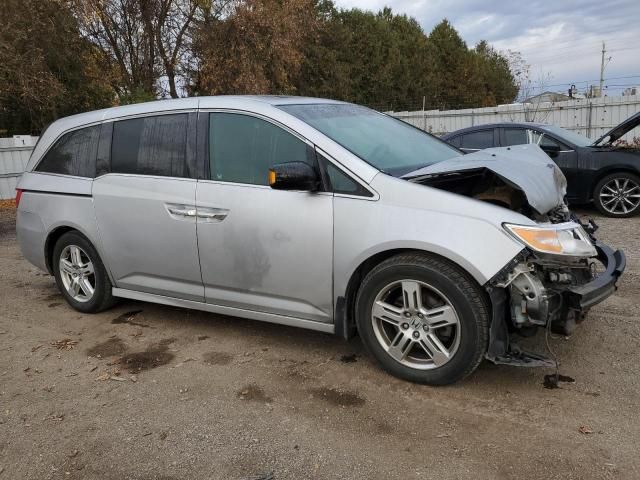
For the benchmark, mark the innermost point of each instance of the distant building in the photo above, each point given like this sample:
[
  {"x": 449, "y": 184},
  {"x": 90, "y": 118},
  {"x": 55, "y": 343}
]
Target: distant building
[
  {"x": 631, "y": 91},
  {"x": 547, "y": 97}
]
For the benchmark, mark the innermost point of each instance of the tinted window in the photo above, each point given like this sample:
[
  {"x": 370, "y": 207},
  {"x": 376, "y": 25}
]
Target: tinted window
[
  {"x": 478, "y": 140},
  {"x": 242, "y": 148},
  {"x": 514, "y": 136},
  {"x": 74, "y": 154},
  {"x": 151, "y": 146},
  {"x": 341, "y": 182}
]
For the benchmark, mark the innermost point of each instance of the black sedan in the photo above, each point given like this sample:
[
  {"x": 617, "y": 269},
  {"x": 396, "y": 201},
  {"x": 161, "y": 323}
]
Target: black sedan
[{"x": 599, "y": 171}]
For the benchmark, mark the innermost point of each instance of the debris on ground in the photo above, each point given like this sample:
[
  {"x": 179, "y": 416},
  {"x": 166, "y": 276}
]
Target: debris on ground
[
  {"x": 129, "y": 318},
  {"x": 64, "y": 344},
  {"x": 585, "y": 430}
]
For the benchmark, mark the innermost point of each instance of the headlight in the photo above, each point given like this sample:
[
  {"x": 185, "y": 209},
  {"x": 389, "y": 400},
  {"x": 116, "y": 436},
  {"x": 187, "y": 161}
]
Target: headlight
[{"x": 558, "y": 239}]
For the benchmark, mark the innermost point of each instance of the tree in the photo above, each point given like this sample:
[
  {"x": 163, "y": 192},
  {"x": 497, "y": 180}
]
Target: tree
[
  {"x": 122, "y": 30},
  {"x": 528, "y": 87},
  {"x": 47, "y": 70},
  {"x": 257, "y": 48}
]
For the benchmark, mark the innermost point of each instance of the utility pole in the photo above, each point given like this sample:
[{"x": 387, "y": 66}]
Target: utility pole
[{"x": 602, "y": 70}]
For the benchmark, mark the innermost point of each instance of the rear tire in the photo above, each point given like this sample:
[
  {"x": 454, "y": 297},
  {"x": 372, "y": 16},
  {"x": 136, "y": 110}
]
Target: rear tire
[
  {"x": 423, "y": 319},
  {"x": 618, "y": 195},
  {"x": 80, "y": 274}
]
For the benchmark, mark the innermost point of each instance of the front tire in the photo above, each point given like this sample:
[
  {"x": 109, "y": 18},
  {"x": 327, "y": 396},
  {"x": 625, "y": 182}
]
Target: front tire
[
  {"x": 80, "y": 274},
  {"x": 423, "y": 319},
  {"x": 618, "y": 195}
]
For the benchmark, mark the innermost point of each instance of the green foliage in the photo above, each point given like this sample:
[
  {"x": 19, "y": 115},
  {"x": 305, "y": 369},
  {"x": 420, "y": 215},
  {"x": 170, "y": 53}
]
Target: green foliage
[
  {"x": 63, "y": 57},
  {"x": 138, "y": 95},
  {"x": 47, "y": 70},
  {"x": 386, "y": 61}
]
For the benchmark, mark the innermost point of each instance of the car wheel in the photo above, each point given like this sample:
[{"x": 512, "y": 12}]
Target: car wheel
[
  {"x": 80, "y": 274},
  {"x": 423, "y": 319},
  {"x": 618, "y": 195}
]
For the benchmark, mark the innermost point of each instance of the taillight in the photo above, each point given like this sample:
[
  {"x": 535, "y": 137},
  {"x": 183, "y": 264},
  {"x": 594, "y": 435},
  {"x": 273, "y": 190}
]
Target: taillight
[{"x": 18, "y": 196}]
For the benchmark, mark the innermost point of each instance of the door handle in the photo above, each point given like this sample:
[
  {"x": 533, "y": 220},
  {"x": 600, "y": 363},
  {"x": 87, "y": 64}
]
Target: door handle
[
  {"x": 212, "y": 214},
  {"x": 181, "y": 210}
]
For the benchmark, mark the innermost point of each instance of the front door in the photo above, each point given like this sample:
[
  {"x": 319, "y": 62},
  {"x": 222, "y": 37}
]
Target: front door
[
  {"x": 261, "y": 249},
  {"x": 145, "y": 208}
]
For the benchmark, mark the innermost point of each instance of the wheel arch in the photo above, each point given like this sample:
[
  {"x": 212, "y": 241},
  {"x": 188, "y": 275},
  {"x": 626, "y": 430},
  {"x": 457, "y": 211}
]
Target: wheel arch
[
  {"x": 600, "y": 174},
  {"x": 345, "y": 324},
  {"x": 54, "y": 235}
]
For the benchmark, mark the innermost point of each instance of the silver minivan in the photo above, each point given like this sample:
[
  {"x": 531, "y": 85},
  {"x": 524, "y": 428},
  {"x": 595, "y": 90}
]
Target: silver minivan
[{"x": 317, "y": 214}]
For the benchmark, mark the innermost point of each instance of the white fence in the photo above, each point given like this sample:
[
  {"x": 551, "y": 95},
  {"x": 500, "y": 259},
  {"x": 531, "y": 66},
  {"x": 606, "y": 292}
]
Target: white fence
[
  {"x": 592, "y": 117},
  {"x": 14, "y": 155}
]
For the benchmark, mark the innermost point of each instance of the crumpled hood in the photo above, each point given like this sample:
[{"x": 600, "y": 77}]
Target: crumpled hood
[{"x": 525, "y": 167}]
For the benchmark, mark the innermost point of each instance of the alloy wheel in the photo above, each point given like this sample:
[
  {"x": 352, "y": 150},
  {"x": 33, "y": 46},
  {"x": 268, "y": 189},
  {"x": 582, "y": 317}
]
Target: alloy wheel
[
  {"x": 416, "y": 324},
  {"x": 77, "y": 273},
  {"x": 620, "y": 196}
]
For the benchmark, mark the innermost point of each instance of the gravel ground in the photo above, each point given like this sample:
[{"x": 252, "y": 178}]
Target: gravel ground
[{"x": 151, "y": 392}]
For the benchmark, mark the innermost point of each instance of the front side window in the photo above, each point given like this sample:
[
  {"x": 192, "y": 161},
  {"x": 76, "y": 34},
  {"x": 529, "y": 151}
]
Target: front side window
[
  {"x": 515, "y": 136},
  {"x": 543, "y": 140},
  {"x": 151, "y": 146},
  {"x": 242, "y": 148},
  {"x": 477, "y": 140},
  {"x": 73, "y": 154}
]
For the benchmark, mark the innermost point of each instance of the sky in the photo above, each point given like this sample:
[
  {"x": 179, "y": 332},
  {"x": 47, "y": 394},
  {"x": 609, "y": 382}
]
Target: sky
[{"x": 561, "y": 40}]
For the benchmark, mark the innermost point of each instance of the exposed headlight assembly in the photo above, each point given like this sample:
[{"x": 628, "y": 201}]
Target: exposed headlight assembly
[{"x": 568, "y": 239}]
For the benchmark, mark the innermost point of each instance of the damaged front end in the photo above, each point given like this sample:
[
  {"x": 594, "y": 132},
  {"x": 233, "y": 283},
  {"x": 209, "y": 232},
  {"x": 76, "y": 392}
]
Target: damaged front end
[
  {"x": 563, "y": 270},
  {"x": 541, "y": 290}
]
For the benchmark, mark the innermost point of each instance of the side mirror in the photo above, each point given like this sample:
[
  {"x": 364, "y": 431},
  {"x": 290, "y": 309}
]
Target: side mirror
[
  {"x": 293, "y": 176},
  {"x": 551, "y": 150}
]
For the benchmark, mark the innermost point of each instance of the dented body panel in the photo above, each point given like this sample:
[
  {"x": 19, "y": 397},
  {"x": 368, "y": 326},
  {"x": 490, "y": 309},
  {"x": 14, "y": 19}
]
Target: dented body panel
[{"x": 525, "y": 167}]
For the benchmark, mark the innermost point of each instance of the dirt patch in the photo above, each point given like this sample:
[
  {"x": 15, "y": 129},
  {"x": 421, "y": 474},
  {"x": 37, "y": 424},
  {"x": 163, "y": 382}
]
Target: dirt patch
[
  {"x": 54, "y": 304},
  {"x": 203, "y": 337},
  {"x": 255, "y": 393},
  {"x": 217, "y": 358},
  {"x": 112, "y": 347},
  {"x": 551, "y": 381},
  {"x": 129, "y": 318},
  {"x": 53, "y": 296},
  {"x": 349, "y": 358},
  {"x": 7, "y": 218},
  {"x": 339, "y": 398},
  {"x": 154, "y": 356}
]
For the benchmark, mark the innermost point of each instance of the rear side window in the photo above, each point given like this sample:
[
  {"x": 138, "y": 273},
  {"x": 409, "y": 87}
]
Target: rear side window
[
  {"x": 477, "y": 140},
  {"x": 515, "y": 136},
  {"x": 73, "y": 154},
  {"x": 151, "y": 146},
  {"x": 242, "y": 148}
]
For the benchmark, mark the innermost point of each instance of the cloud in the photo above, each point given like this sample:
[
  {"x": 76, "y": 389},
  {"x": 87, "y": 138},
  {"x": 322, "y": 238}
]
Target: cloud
[{"x": 560, "y": 38}]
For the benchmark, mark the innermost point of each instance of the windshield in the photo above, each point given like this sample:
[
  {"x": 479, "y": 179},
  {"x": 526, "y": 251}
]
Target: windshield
[
  {"x": 388, "y": 144},
  {"x": 569, "y": 136}
]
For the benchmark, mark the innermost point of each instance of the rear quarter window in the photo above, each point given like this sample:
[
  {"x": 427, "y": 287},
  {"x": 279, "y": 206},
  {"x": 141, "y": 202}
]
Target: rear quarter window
[{"x": 73, "y": 154}]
